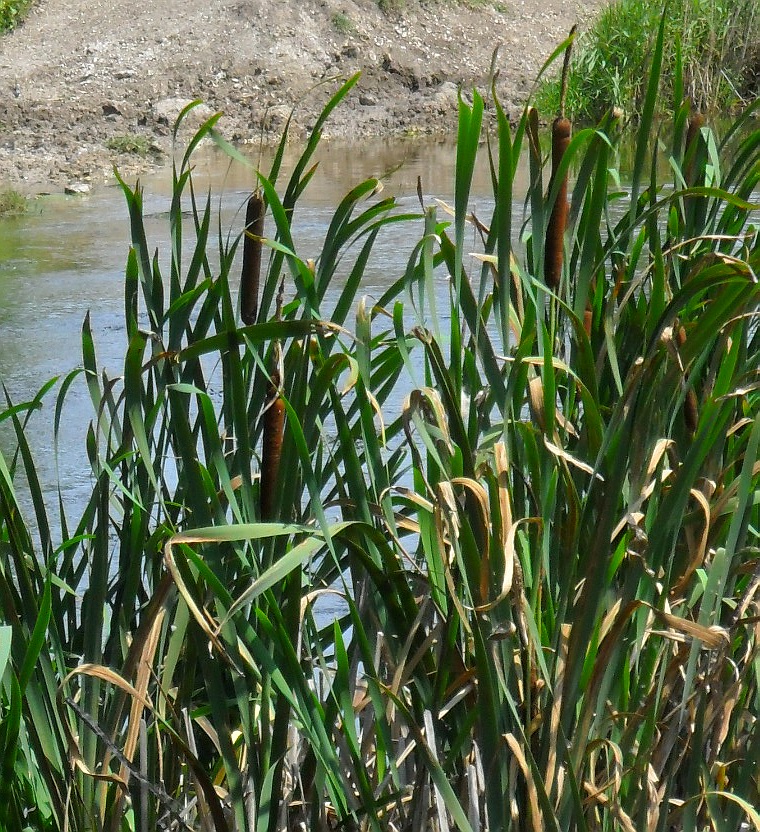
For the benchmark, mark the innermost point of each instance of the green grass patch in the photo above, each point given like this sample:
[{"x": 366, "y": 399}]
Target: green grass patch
[
  {"x": 717, "y": 43},
  {"x": 13, "y": 203},
  {"x": 12, "y": 12},
  {"x": 391, "y": 8},
  {"x": 130, "y": 144},
  {"x": 343, "y": 23}
]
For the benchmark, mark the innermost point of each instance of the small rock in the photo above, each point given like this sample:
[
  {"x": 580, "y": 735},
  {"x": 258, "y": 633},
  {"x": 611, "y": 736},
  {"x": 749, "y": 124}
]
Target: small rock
[
  {"x": 448, "y": 91},
  {"x": 166, "y": 111},
  {"x": 277, "y": 116},
  {"x": 77, "y": 189},
  {"x": 367, "y": 100},
  {"x": 110, "y": 109}
]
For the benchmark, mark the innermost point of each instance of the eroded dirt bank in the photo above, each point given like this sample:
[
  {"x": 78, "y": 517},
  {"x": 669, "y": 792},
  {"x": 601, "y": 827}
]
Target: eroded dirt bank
[{"x": 81, "y": 76}]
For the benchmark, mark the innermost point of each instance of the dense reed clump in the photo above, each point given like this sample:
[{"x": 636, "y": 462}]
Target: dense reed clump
[
  {"x": 712, "y": 47},
  {"x": 522, "y": 594}
]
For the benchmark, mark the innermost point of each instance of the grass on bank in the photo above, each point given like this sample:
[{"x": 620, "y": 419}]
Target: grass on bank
[
  {"x": 130, "y": 143},
  {"x": 544, "y": 554},
  {"x": 713, "y": 46},
  {"x": 13, "y": 203},
  {"x": 343, "y": 23},
  {"x": 12, "y": 12}
]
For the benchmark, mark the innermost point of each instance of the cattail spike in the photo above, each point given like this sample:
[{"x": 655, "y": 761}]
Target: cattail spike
[
  {"x": 588, "y": 321},
  {"x": 250, "y": 275},
  {"x": 555, "y": 230},
  {"x": 696, "y": 123},
  {"x": 273, "y": 425}
]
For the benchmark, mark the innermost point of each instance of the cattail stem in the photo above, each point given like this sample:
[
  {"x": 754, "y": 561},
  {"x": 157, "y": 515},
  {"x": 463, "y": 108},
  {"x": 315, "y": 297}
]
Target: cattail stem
[
  {"x": 565, "y": 74},
  {"x": 249, "y": 277}
]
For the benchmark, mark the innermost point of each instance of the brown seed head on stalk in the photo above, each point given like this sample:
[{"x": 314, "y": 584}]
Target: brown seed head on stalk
[
  {"x": 249, "y": 277},
  {"x": 696, "y": 123},
  {"x": 273, "y": 426},
  {"x": 588, "y": 320},
  {"x": 555, "y": 230},
  {"x": 691, "y": 412},
  {"x": 534, "y": 143}
]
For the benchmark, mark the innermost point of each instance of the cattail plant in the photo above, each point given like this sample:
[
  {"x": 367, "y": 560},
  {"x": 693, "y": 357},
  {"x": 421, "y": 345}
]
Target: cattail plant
[
  {"x": 249, "y": 277},
  {"x": 555, "y": 232},
  {"x": 537, "y": 605}
]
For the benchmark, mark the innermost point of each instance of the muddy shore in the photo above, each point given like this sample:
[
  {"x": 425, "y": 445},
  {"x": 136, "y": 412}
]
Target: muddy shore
[{"x": 85, "y": 84}]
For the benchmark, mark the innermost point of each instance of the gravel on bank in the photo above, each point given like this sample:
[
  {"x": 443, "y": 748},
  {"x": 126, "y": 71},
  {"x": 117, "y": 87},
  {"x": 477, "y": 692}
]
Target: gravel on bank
[{"x": 85, "y": 84}]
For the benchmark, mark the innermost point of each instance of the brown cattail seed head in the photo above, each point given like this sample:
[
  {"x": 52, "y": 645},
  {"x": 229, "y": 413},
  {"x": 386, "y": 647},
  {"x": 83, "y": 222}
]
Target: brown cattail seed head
[
  {"x": 555, "y": 231},
  {"x": 588, "y": 320},
  {"x": 250, "y": 275}
]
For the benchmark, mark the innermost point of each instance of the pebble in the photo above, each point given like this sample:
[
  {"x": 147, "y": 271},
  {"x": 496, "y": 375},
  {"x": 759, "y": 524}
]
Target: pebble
[
  {"x": 77, "y": 189},
  {"x": 167, "y": 110}
]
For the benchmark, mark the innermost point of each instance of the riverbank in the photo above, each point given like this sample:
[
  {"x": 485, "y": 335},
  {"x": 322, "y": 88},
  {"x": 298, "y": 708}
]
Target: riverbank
[{"x": 86, "y": 85}]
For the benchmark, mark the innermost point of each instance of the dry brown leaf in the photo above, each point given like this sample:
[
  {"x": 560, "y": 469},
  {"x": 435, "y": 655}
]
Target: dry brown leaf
[{"x": 535, "y": 811}]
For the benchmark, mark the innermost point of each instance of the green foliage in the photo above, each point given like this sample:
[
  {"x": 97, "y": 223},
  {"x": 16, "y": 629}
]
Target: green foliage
[
  {"x": 12, "y": 203},
  {"x": 12, "y": 13},
  {"x": 717, "y": 43},
  {"x": 510, "y": 574},
  {"x": 391, "y": 8},
  {"x": 130, "y": 143},
  {"x": 343, "y": 23}
]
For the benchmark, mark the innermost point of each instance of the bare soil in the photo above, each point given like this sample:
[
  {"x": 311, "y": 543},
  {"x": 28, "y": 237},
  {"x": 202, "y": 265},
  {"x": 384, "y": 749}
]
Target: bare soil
[{"x": 81, "y": 77}]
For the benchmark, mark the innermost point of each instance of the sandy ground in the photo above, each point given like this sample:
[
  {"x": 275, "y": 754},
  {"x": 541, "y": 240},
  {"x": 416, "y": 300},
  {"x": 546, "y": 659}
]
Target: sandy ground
[{"x": 80, "y": 76}]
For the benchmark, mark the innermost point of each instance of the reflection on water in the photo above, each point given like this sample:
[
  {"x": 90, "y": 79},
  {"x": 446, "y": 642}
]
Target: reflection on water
[{"x": 67, "y": 256}]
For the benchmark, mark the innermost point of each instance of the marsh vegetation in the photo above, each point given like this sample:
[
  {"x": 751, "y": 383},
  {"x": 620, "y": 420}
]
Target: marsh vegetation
[
  {"x": 713, "y": 48},
  {"x": 544, "y": 552},
  {"x": 12, "y": 203}
]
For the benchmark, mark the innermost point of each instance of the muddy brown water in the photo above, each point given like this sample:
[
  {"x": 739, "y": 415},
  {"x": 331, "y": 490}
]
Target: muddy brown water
[{"x": 67, "y": 256}]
